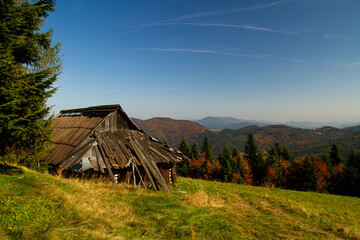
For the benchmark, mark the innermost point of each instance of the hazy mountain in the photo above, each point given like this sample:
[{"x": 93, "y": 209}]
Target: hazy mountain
[
  {"x": 353, "y": 128},
  {"x": 220, "y": 123},
  {"x": 308, "y": 125}
]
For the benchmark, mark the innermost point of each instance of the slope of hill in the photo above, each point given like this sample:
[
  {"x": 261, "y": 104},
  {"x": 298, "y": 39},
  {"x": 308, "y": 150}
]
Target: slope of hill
[
  {"x": 221, "y": 123},
  {"x": 41, "y": 206},
  {"x": 300, "y": 141},
  {"x": 353, "y": 128},
  {"x": 172, "y": 130}
]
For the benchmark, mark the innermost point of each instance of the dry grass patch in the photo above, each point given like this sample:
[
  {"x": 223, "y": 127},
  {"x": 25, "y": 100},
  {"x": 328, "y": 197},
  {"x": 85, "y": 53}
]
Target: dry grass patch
[
  {"x": 199, "y": 198},
  {"x": 94, "y": 203},
  {"x": 94, "y": 199},
  {"x": 350, "y": 232}
]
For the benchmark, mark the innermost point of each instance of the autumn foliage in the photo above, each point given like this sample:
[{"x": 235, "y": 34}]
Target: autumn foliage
[
  {"x": 322, "y": 176},
  {"x": 278, "y": 169}
]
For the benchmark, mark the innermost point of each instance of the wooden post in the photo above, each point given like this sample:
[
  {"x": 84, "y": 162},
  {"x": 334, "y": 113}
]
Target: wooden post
[
  {"x": 133, "y": 170},
  {"x": 141, "y": 180}
]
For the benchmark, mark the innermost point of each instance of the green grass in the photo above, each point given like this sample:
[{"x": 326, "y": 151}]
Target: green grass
[{"x": 41, "y": 206}]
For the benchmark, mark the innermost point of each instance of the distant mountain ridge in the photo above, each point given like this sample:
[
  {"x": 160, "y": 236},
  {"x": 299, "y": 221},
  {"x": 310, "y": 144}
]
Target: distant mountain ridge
[
  {"x": 300, "y": 141},
  {"x": 221, "y": 123},
  {"x": 353, "y": 128}
]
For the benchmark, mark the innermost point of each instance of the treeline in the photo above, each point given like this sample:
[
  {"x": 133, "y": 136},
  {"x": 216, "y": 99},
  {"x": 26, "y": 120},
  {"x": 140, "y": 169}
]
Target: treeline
[{"x": 275, "y": 168}]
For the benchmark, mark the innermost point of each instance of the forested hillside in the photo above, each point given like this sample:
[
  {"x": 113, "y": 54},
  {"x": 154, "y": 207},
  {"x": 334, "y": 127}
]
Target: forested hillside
[
  {"x": 299, "y": 141},
  {"x": 170, "y": 129}
]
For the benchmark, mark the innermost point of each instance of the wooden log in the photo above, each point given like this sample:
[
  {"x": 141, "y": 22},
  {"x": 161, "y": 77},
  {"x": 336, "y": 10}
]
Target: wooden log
[
  {"x": 173, "y": 174},
  {"x": 143, "y": 162},
  {"x": 112, "y": 146},
  {"x": 128, "y": 177},
  {"x": 99, "y": 159},
  {"x": 141, "y": 180},
  {"x": 152, "y": 166},
  {"x": 121, "y": 156},
  {"x": 107, "y": 151},
  {"x": 124, "y": 144},
  {"x": 133, "y": 172},
  {"x": 108, "y": 167},
  {"x": 93, "y": 159},
  {"x": 157, "y": 152}
]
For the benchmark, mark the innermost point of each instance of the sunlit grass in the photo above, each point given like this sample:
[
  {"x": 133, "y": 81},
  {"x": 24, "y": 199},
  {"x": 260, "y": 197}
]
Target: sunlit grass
[{"x": 41, "y": 206}]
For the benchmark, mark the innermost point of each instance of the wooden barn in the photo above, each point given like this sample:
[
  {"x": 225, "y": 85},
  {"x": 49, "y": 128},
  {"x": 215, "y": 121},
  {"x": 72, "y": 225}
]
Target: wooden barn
[{"x": 104, "y": 140}]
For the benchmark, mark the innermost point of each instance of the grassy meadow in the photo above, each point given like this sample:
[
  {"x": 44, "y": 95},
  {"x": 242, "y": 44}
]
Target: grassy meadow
[{"x": 42, "y": 206}]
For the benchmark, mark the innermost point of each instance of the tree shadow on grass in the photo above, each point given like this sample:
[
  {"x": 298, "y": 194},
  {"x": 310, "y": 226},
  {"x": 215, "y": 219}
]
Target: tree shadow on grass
[{"x": 10, "y": 170}]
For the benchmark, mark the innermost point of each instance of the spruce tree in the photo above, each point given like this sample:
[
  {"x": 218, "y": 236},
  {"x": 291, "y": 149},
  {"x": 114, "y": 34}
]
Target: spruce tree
[
  {"x": 206, "y": 145},
  {"x": 195, "y": 151},
  {"x": 29, "y": 66},
  {"x": 275, "y": 148},
  {"x": 273, "y": 156},
  {"x": 183, "y": 167},
  {"x": 325, "y": 157},
  {"x": 226, "y": 159},
  {"x": 207, "y": 149},
  {"x": 307, "y": 179},
  {"x": 184, "y": 148},
  {"x": 273, "y": 161},
  {"x": 255, "y": 158},
  {"x": 286, "y": 154},
  {"x": 353, "y": 173},
  {"x": 238, "y": 164},
  {"x": 335, "y": 155}
]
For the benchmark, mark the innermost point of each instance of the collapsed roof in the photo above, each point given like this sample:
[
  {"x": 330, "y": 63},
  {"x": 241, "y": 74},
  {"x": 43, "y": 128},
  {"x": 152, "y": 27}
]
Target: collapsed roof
[{"x": 105, "y": 140}]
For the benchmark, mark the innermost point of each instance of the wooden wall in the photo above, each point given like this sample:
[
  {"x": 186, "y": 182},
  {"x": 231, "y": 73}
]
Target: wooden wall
[{"x": 115, "y": 121}]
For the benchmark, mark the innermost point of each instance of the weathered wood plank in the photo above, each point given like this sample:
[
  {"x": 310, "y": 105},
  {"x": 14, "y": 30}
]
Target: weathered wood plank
[
  {"x": 141, "y": 180},
  {"x": 107, "y": 151},
  {"x": 111, "y": 145},
  {"x": 133, "y": 172},
  {"x": 156, "y": 151},
  {"x": 144, "y": 164},
  {"x": 80, "y": 151},
  {"x": 122, "y": 158},
  {"x": 108, "y": 167},
  {"x": 100, "y": 160},
  {"x": 93, "y": 159},
  {"x": 151, "y": 165}
]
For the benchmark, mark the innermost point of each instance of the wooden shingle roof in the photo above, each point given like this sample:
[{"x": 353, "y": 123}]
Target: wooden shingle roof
[{"x": 73, "y": 126}]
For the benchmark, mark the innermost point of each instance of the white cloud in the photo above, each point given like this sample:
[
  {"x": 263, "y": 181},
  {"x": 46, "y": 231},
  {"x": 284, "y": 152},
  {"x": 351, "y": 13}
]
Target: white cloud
[
  {"x": 173, "y": 50},
  {"x": 328, "y": 35},
  {"x": 226, "y": 11},
  {"x": 207, "y": 14},
  {"x": 216, "y": 52},
  {"x": 249, "y": 27}
]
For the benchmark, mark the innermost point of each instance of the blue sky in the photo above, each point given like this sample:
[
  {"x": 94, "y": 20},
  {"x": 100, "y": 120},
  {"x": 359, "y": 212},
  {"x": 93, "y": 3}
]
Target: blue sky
[{"x": 270, "y": 60}]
